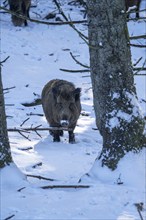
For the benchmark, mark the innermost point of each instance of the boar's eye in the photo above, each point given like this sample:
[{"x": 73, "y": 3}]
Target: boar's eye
[
  {"x": 60, "y": 105},
  {"x": 71, "y": 106}
]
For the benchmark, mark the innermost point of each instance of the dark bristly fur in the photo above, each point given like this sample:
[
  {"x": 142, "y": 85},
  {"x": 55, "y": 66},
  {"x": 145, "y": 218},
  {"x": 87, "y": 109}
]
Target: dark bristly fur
[
  {"x": 61, "y": 101},
  {"x": 20, "y": 7}
]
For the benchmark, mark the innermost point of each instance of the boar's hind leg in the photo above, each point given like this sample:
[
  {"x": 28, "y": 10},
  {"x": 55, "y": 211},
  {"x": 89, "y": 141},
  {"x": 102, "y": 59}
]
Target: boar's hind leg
[{"x": 71, "y": 137}]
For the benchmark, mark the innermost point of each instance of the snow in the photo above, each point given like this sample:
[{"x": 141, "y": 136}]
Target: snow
[
  {"x": 132, "y": 8},
  {"x": 37, "y": 53},
  {"x": 117, "y": 115}
]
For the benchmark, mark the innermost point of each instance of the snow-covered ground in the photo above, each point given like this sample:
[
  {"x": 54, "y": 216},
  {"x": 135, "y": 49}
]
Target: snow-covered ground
[{"x": 37, "y": 53}]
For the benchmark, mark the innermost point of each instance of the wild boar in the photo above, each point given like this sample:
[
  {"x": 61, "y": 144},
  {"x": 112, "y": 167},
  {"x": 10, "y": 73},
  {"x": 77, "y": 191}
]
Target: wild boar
[
  {"x": 132, "y": 3},
  {"x": 20, "y": 7},
  {"x": 61, "y": 104}
]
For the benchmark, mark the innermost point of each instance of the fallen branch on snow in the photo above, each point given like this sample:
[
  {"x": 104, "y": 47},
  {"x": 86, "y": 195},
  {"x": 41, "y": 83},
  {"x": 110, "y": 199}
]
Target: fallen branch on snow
[
  {"x": 65, "y": 186},
  {"x": 11, "y": 216},
  {"x": 38, "y": 129},
  {"x": 34, "y": 103},
  {"x": 40, "y": 177}
]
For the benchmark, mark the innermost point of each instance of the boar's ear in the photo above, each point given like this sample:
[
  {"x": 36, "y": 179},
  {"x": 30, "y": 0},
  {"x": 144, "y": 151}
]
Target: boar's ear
[
  {"x": 76, "y": 93},
  {"x": 55, "y": 92}
]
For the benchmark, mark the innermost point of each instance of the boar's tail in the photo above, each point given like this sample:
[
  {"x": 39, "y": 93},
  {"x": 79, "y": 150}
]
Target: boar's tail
[{"x": 33, "y": 103}]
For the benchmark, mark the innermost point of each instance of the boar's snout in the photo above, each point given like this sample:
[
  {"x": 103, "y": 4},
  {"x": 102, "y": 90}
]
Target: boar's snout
[
  {"x": 68, "y": 115},
  {"x": 64, "y": 123}
]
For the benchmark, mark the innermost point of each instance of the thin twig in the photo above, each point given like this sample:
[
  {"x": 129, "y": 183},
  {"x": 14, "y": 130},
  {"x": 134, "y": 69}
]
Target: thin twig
[
  {"x": 24, "y": 135},
  {"x": 4, "y": 59},
  {"x": 24, "y": 122},
  {"x": 19, "y": 190},
  {"x": 38, "y": 126},
  {"x": 37, "y": 164},
  {"x": 138, "y": 69},
  {"x": 38, "y": 133},
  {"x": 137, "y": 61},
  {"x": 81, "y": 64}
]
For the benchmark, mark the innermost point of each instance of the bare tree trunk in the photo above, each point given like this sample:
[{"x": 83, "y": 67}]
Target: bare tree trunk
[
  {"x": 118, "y": 115},
  {"x": 5, "y": 153}
]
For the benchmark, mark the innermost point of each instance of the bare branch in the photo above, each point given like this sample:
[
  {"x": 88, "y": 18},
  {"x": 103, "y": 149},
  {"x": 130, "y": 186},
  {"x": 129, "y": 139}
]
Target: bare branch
[
  {"x": 25, "y": 149},
  {"x": 9, "y": 88},
  {"x": 138, "y": 45},
  {"x": 19, "y": 190},
  {"x": 138, "y": 37},
  {"x": 11, "y": 216},
  {"x": 43, "y": 22},
  {"x": 37, "y": 164},
  {"x": 139, "y": 207},
  {"x": 24, "y": 122},
  {"x": 138, "y": 74},
  {"x": 137, "y": 61},
  {"x": 4, "y": 59},
  {"x": 40, "y": 177},
  {"x": 66, "y": 186},
  {"x": 81, "y": 64},
  {"x": 71, "y": 23},
  {"x": 34, "y": 103},
  {"x": 135, "y": 19},
  {"x": 20, "y": 132},
  {"x": 30, "y": 114},
  {"x": 75, "y": 71},
  {"x": 140, "y": 68},
  {"x": 38, "y": 129},
  {"x": 38, "y": 133}
]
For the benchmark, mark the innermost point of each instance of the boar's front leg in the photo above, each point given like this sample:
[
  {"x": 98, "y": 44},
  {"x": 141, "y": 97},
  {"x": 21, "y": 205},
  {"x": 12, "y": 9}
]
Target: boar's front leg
[
  {"x": 71, "y": 137},
  {"x": 55, "y": 133},
  {"x": 56, "y": 136}
]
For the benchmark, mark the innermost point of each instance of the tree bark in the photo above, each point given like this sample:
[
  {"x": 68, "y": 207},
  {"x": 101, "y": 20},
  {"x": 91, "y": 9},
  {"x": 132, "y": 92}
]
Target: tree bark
[
  {"x": 5, "y": 152},
  {"x": 118, "y": 115}
]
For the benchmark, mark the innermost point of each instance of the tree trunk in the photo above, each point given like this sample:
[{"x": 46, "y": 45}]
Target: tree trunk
[
  {"x": 118, "y": 115},
  {"x": 5, "y": 153}
]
